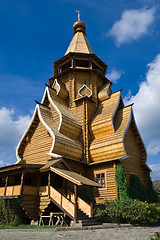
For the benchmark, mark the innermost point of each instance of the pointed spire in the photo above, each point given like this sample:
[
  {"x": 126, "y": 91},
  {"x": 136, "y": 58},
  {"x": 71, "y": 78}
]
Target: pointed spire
[{"x": 79, "y": 43}]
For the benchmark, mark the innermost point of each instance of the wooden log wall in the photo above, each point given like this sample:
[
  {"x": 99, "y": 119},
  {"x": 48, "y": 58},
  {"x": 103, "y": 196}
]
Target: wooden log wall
[
  {"x": 110, "y": 191},
  {"x": 133, "y": 164},
  {"x": 38, "y": 147},
  {"x": 76, "y": 166}
]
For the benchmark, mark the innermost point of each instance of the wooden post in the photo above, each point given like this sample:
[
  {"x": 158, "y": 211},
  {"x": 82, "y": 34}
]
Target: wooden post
[
  {"x": 90, "y": 64},
  {"x": 76, "y": 202},
  {"x": 91, "y": 209},
  {"x": 73, "y": 63},
  {"x": 49, "y": 183},
  {"x": 5, "y": 189},
  {"x": 22, "y": 183},
  {"x": 92, "y": 200},
  {"x": 65, "y": 187}
]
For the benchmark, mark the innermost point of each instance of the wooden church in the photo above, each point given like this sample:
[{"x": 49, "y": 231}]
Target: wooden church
[{"x": 78, "y": 134}]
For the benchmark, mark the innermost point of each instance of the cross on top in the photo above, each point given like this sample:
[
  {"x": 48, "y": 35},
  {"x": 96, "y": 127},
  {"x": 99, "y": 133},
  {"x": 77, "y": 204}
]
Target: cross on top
[{"x": 79, "y": 14}]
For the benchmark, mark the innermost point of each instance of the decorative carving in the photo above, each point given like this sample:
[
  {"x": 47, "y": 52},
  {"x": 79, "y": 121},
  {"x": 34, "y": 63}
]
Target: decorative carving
[
  {"x": 104, "y": 93},
  {"x": 84, "y": 91},
  {"x": 60, "y": 89}
]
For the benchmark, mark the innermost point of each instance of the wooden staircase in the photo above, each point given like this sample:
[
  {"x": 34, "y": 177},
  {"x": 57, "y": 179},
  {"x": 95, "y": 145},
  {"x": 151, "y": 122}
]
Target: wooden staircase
[
  {"x": 86, "y": 220},
  {"x": 30, "y": 205},
  {"x": 34, "y": 205},
  {"x": 43, "y": 203}
]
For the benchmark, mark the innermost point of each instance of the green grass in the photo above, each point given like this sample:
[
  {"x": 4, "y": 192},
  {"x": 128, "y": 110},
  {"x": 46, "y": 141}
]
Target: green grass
[{"x": 26, "y": 227}]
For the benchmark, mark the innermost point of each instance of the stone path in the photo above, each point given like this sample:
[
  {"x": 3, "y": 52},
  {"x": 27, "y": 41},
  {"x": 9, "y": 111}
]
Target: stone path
[{"x": 125, "y": 233}]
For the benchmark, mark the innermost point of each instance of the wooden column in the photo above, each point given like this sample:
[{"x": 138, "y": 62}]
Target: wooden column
[
  {"x": 91, "y": 209},
  {"x": 92, "y": 200},
  {"x": 65, "y": 187},
  {"x": 75, "y": 202},
  {"x": 90, "y": 64},
  {"x": 49, "y": 183},
  {"x": 22, "y": 182},
  {"x": 5, "y": 189}
]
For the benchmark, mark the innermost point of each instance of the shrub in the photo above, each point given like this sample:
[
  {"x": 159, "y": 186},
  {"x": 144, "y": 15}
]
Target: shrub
[
  {"x": 10, "y": 212},
  {"x": 130, "y": 211},
  {"x": 152, "y": 196}
]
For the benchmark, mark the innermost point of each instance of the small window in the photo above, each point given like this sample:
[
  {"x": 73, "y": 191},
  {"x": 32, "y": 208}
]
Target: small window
[
  {"x": 82, "y": 63},
  {"x": 100, "y": 178}
]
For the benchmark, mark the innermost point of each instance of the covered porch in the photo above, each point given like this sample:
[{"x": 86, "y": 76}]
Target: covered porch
[{"x": 37, "y": 186}]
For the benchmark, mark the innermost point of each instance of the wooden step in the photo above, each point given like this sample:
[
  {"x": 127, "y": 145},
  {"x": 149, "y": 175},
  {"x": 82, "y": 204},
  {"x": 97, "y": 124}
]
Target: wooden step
[{"x": 89, "y": 221}]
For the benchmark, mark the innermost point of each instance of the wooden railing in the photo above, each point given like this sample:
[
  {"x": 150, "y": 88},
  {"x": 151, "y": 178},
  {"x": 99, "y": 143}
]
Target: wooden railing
[
  {"x": 69, "y": 194},
  {"x": 13, "y": 190},
  {"x": 2, "y": 189},
  {"x": 62, "y": 201},
  {"x": 85, "y": 207}
]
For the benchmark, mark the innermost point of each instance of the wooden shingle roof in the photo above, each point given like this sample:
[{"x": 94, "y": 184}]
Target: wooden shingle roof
[
  {"x": 79, "y": 44},
  {"x": 74, "y": 177}
]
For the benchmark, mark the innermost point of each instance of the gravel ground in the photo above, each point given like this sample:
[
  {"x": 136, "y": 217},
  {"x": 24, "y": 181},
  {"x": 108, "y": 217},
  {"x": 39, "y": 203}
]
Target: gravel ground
[{"x": 125, "y": 233}]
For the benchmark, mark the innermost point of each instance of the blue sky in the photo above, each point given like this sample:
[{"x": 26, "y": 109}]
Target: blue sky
[{"x": 35, "y": 33}]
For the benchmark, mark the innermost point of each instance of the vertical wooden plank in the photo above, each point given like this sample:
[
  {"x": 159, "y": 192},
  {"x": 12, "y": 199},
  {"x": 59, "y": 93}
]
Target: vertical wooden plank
[
  {"x": 22, "y": 182},
  {"x": 76, "y": 202},
  {"x": 5, "y": 189}
]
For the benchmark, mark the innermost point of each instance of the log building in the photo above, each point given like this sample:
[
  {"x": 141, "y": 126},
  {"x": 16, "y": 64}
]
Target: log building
[{"x": 78, "y": 134}]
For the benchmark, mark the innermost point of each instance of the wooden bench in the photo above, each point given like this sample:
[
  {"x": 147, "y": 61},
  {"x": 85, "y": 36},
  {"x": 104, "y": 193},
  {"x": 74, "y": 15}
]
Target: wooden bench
[{"x": 59, "y": 215}]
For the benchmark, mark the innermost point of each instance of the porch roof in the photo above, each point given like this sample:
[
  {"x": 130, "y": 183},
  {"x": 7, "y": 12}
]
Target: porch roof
[
  {"x": 74, "y": 177},
  {"x": 20, "y": 166},
  {"x": 50, "y": 163}
]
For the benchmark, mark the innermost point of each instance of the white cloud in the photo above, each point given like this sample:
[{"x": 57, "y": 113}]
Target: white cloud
[
  {"x": 114, "y": 75},
  {"x": 2, "y": 163},
  {"x": 12, "y": 128},
  {"x": 132, "y": 25},
  {"x": 155, "y": 174},
  {"x": 147, "y": 107}
]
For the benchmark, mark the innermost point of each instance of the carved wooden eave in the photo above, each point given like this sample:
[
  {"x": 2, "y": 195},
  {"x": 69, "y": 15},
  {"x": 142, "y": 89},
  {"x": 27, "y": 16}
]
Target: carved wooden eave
[
  {"x": 110, "y": 146},
  {"x": 65, "y": 136},
  {"x": 109, "y": 133},
  {"x": 137, "y": 134},
  {"x": 103, "y": 119}
]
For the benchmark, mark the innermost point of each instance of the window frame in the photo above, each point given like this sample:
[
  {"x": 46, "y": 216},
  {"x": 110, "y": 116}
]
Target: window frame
[{"x": 102, "y": 180}]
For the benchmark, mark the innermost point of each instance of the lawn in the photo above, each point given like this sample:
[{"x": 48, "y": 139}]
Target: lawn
[{"x": 26, "y": 227}]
